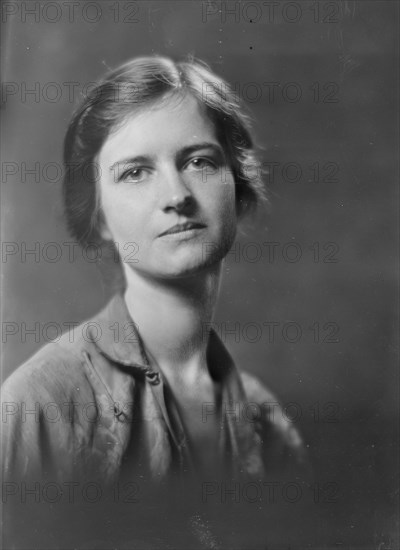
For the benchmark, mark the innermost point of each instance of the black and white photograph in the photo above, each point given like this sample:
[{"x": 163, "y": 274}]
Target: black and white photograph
[{"x": 200, "y": 265}]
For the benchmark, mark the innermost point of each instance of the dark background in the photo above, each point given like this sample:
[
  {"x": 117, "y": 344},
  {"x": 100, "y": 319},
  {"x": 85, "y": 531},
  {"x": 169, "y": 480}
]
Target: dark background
[{"x": 353, "y": 46}]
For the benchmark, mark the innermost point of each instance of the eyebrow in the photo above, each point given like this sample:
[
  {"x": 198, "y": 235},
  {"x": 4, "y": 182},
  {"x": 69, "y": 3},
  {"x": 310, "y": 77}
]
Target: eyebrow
[{"x": 181, "y": 154}]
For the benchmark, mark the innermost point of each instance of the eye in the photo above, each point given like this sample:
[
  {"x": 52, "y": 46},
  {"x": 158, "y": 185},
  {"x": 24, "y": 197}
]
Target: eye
[
  {"x": 135, "y": 174},
  {"x": 199, "y": 163}
]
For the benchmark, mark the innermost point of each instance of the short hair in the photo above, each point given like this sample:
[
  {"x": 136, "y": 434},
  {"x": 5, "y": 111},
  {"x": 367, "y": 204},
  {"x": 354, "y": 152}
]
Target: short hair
[{"x": 133, "y": 85}]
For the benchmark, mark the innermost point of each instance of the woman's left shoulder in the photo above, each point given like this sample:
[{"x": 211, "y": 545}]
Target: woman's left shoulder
[
  {"x": 254, "y": 389},
  {"x": 269, "y": 416}
]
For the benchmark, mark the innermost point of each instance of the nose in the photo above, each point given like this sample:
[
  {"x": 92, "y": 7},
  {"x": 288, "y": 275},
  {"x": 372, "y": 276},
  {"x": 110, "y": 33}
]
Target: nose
[{"x": 176, "y": 195}]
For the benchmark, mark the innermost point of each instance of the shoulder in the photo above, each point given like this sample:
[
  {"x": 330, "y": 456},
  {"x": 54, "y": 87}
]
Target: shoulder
[
  {"x": 55, "y": 372},
  {"x": 255, "y": 389},
  {"x": 268, "y": 415},
  {"x": 50, "y": 408}
]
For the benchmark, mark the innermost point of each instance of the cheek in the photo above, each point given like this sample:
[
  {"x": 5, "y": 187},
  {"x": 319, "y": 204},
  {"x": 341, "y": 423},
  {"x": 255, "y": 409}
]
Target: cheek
[
  {"x": 121, "y": 217},
  {"x": 224, "y": 201},
  {"x": 222, "y": 208}
]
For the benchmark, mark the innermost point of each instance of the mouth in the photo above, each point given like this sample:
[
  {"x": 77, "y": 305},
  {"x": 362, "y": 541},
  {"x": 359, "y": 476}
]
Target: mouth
[{"x": 185, "y": 228}]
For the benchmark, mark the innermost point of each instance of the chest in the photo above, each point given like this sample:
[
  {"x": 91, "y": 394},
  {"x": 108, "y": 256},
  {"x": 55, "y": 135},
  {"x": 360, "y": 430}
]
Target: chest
[{"x": 200, "y": 416}]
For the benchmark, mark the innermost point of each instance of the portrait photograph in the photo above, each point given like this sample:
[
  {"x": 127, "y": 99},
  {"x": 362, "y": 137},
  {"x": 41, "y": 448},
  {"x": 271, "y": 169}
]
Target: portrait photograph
[{"x": 200, "y": 260}]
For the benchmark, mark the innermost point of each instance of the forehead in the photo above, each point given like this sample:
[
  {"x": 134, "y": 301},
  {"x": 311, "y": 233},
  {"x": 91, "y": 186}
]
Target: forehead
[{"x": 163, "y": 126}]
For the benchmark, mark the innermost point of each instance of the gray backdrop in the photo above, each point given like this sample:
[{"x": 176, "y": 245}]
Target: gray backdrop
[{"x": 322, "y": 88}]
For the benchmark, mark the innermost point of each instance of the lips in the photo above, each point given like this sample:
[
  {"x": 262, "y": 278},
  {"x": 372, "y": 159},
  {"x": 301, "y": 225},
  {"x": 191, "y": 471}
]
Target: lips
[{"x": 180, "y": 227}]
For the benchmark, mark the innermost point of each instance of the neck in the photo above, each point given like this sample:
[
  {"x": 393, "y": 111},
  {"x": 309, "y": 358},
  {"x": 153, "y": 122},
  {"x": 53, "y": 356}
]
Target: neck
[{"x": 173, "y": 317}]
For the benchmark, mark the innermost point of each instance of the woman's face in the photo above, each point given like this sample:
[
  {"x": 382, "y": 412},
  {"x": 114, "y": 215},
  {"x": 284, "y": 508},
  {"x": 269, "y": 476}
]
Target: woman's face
[{"x": 164, "y": 168}]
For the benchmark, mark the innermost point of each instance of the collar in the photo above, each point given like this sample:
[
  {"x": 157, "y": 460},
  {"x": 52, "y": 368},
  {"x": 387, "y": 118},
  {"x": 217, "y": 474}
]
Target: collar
[
  {"x": 118, "y": 336},
  {"x": 119, "y": 340}
]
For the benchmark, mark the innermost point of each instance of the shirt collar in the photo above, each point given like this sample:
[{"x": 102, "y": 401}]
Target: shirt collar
[{"x": 118, "y": 339}]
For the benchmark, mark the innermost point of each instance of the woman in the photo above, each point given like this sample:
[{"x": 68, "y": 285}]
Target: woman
[{"x": 160, "y": 166}]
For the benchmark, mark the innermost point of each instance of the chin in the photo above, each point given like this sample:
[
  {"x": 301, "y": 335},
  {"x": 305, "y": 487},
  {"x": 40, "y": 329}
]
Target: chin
[
  {"x": 186, "y": 262},
  {"x": 184, "y": 272},
  {"x": 203, "y": 258},
  {"x": 189, "y": 267}
]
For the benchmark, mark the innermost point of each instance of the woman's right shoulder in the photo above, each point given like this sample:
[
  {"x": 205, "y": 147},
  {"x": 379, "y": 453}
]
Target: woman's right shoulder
[{"x": 55, "y": 371}]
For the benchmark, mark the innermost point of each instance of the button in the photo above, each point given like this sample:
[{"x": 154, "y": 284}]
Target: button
[
  {"x": 117, "y": 411},
  {"x": 153, "y": 378}
]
